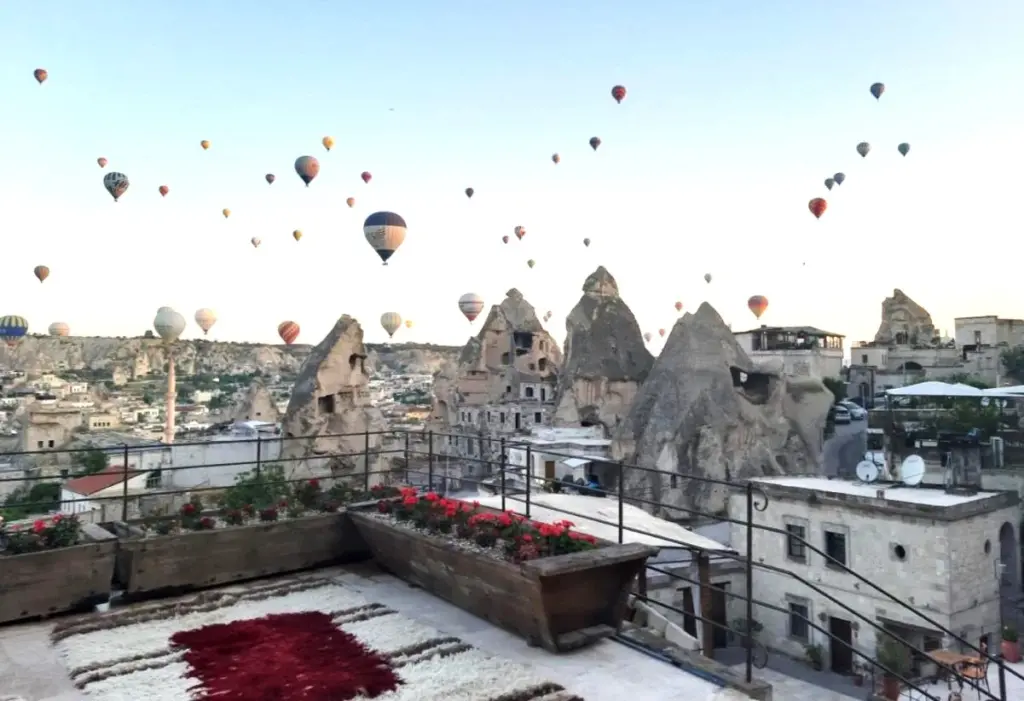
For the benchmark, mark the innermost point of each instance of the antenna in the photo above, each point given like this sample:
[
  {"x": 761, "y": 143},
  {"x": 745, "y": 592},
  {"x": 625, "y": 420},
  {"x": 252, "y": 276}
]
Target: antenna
[
  {"x": 867, "y": 471},
  {"x": 912, "y": 471}
]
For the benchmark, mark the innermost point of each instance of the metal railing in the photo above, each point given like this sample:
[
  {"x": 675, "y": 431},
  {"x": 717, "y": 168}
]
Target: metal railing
[{"x": 410, "y": 446}]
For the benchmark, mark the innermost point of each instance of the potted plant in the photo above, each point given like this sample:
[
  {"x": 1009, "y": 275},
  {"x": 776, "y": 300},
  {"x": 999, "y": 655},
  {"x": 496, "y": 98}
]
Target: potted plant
[
  {"x": 895, "y": 659},
  {"x": 1011, "y": 644},
  {"x": 815, "y": 656}
]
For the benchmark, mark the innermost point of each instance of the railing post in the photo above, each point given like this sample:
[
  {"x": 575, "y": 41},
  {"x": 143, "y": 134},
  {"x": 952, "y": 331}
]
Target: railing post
[
  {"x": 407, "y": 457},
  {"x": 124, "y": 487},
  {"x": 622, "y": 515},
  {"x": 1002, "y": 673},
  {"x": 430, "y": 461},
  {"x": 366, "y": 460},
  {"x": 501, "y": 467},
  {"x": 529, "y": 477},
  {"x": 259, "y": 455},
  {"x": 748, "y": 639}
]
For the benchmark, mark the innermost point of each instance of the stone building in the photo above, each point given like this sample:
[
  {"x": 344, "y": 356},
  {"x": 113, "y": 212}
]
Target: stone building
[
  {"x": 936, "y": 550},
  {"x": 803, "y": 351},
  {"x": 256, "y": 405}
]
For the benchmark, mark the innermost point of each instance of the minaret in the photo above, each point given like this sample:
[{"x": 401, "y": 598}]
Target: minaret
[
  {"x": 171, "y": 398},
  {"x": 169, "y": 324}
]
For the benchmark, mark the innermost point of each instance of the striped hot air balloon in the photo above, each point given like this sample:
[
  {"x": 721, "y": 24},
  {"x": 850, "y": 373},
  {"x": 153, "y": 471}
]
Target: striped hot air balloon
[
  {"x": 206, "y": 318},
  {"x": 757, "y": 304},
  {"x": 59, "y": 328},
  {"x": 471, "y": 304},
  {"x": 13, "y": 329},
  {"x": 391, "y": 321},
  {"x": 385, "y": 232},
  {"x": 288, "y": 331}
]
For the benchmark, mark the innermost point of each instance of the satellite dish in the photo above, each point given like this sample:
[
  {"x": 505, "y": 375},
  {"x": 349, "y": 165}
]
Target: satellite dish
[
  {"x": 867, "y": 471},
  {"x": 912, "y": 470}
]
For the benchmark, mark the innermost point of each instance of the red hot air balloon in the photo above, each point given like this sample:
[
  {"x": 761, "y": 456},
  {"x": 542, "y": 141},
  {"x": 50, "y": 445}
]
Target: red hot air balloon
[
  {"x": 41, "y": 75},
  {"x": 679, "y": 306},
  {"x": 619, "y": 93},
  {"x": 288, "y": 331},
  {"x": 164, "y": 190},
  {"x": 661, "y": 332},
  {"x": 817, "y": 206},
  {"x": 102, "y": 162},
  {"x": 504, "y": 239},
  {"x": 366, "y": 176},
  {"x": 757, "y": 304},
  {"x": 520, "y": 232}
]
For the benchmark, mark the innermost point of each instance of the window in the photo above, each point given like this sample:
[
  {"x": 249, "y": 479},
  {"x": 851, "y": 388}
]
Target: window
[
  {"x": 154, "y": 480},
  {"x": 326, "y": 404},
  {"x": 508, "y": 389},
  {"x": 673, "y": 481},
  {"x": 49, "y": 443},
  {"x": 835, "y": 547},
  {"x": 799, "y": 614},
  {"x": 501, "y": 416},
  {"x": 39, "y": 444},
  {"x": 528, "y": 392},
  {"x": 542, "y": 364},
  {"x": 795, "y": 547},
  {"x": 543, "y": 394},
  {"x": 864, "y": 359},
  {"x": 538, "y": 417},
  {"x": 977, "y": 338},
  {"x": 505, "y": 358}
]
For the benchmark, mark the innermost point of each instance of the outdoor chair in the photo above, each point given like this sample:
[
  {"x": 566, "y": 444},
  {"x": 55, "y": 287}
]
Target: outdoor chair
[{"x": 976, "y": 675}]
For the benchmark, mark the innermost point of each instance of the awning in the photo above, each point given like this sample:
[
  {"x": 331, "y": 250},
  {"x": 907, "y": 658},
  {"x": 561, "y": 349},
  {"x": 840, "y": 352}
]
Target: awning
[
  {"x": 576, "y": 462},
  {"x": 936, "y": 389}
]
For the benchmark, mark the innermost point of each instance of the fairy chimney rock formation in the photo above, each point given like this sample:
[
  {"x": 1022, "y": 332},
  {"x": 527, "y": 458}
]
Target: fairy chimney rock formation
[
  {"x": 256, "y": 405},
  {"x": 904, "y": 322},
  {"x": 707, "y": 410},
  {"x": 330, "y": 412},
  {"x": 606, "y": 359}
]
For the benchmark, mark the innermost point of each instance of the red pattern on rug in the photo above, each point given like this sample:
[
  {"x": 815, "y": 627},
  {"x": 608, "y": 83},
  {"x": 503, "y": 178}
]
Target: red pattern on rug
[{"x": 283, "y": 657}]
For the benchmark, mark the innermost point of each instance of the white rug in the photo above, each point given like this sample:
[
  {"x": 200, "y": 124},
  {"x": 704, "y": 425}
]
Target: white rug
[{"x": 128, "y": 655}]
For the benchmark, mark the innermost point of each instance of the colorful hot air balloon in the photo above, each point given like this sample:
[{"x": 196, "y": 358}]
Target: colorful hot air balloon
[
  {"x": 255, "y": 241},
  {"x": 307, "y": 168},
  {"x": 757, "y": 304},
  {"x": 877, "y": 89},
  {"x": 366, "y": 176},
  {"x": 205, "y": 144},
  {"x": 679, "y": 306},
  {"x": 296, "y": 234},
  {"x": 817, "y": 207},
  {"x": 408, "y": 323},
  {"x": 619, "y": 93},
  {"x": 839, "y": 178},
  {"x": 391, "y": 321},
  {"x": 13, "y": 329},
  {"x": 351, "y": 201},
  {"x": 206, "y": 318},
  {"x": 707, "y": 278},
  {"x": 328, "y": 142},
  {"x": 531, "y": 262},
  {"x": 520, "y": 232},
  {"x": 102, "y": 162},
  {"x": 116, "y": 184},
  {"x": 41, "y": 75},
  {"x": 829, "y": 182},
  {"x": 471, "y": 304},
  {"x": 469, "y": 192},
  {"x": 59, "y": 328},
  {"x": 164, "y": 190},
  {"x": 594, "y": 142},
  {"x": 504, "y": 239},
  {"x": 556, "y": 159},
  {"x": 42, "y": 272},
  {"x": 168, "y": 324},
  {"x": 226, "y": 212},
  {"x": 863, "y": 148},
  {"x": 270, "y": 177},
  {"x": 661, "y": 332},
  {"x": 288, "y": 331},
  {"x": 647, "y": 336},
  {"x": 586, "y": 242},
  {"x": 385, "y": 232},
  {"x": 904, "y": 148}
]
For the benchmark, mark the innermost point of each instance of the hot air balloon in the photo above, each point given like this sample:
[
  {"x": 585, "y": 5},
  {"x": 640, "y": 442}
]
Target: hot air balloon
[
  {"x": 102, "y": 162},
  {"x": 469, "y": 192},
  {"x": 328, "y": 142},
  {"x": 168, "y": 324},
  {"x": 59, "y": 328},
  {"x": 206, "y": 318},
  {"x": 679, "y": 306},
  {"x": 13, "y": 329},
  {"x": 366, "y": 176},
  {"x": 385, "y": 232},
  {"x": 594, "y": 142},
  {"x": 226, "y": 212},
  {"x": 307, "y": 167},
  {"x": 707, "y": 278},
  {"x": 504, "y": 239},
  {"x": 839, "y": 178},
  {"x": 863, "y": 148},
  {"x": 296, "y": 234},
  {"x": 471, "y": 304},
  {"x": 520, "y": 232},
  {"x": 116, "y": 184},
  {"x": 531, "y": 262},
  {"x": 351, "y": 201},
  {"x": 829, "y": 182},
  {"x": 41, "y": 76},
  {"x": 877, "y": 89},
  {"x": 817, "y": 207},
  {"x": 270, "y": 178},
  {"x": 42, "y": 272},
  {"x": 661, "y": 332},
  {"x": 408, "y": 323},
  {"x": 288, "y": 331},
  {"x": 556, "y": 159},
  {"x": 619, "y": 93},
  {"x": 586, "y": 242},
  {"x": 757, "y": 304},
  {"x": 255, "y": 241},
  {"x": 164, "y": 190},
  {"x": 205, "y": 144},
  {"x": 647, "y": 336},
  {"x": 391, "y": 321},
  {"x": 904, "y": 148}
]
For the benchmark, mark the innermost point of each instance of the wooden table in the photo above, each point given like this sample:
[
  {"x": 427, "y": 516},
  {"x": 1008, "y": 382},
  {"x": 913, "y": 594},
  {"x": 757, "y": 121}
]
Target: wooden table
[{"x": 954, "y": 660}]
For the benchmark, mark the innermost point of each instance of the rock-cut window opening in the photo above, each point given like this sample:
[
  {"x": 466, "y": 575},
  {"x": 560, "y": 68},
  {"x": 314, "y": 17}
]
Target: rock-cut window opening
[
  {"x": 523, "y": 340},
  {"x": 542, "y": 364},
  {"x": 355, "y": 357},
  {"x": 326, "y": 404},
  {"x": 756, "y": 386}
]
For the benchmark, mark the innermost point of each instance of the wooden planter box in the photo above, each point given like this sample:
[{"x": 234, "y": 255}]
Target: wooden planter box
[
  {"x": 559, "y": 603},
  {"x": 197, "y": 559},
  {"x": 52, "y": 581}
]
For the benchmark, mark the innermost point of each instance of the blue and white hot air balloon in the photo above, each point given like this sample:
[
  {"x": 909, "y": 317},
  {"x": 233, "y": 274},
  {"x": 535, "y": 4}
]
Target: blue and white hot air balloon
[
  {"x": 385, "y": 232},
  {"x": 13, "y": 329}
]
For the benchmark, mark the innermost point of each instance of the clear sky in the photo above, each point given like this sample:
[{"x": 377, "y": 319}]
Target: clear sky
[{"x": 736, "y": 112}]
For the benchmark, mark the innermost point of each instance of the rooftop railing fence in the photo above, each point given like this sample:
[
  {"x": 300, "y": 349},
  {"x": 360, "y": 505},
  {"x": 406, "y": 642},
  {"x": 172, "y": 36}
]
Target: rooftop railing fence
[{"x": 417, "y": 447}]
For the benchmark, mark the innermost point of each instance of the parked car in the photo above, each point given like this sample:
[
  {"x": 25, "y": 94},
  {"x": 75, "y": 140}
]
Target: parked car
[
  {"x": 842, "y": 414},
  {"x": 857, "y": 413}
]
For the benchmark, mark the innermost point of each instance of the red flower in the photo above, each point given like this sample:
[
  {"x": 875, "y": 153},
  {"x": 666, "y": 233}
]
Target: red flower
[
  {"x": 410, "y": 501},
  {"x": 57, "y": 518},
  {"x": 431, "y": 496},
  {"x": 188, "y": 508},
  {"x": 314, "y": 483},
  {"x": 39, "y": 526}
]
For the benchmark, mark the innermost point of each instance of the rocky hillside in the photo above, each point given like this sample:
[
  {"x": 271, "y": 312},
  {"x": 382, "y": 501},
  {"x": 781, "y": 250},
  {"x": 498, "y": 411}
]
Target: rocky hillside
[{"x": 139, "y": 355}]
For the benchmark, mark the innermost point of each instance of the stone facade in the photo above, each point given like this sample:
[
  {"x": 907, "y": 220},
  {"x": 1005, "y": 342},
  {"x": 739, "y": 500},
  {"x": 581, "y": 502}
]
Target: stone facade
[{"x": 904, "y": 322}]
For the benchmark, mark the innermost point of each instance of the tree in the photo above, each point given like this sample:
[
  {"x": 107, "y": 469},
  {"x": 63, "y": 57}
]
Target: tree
[
  {"x": 964, "y": 379},
  {"x": 837, "y": 387},
  {"x": 1013, "y": 362},
  {"x": 91, "y": 461},
  {"x": 147, "y": 397},
  {"x": 23, "y": 502}
]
